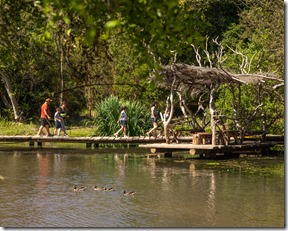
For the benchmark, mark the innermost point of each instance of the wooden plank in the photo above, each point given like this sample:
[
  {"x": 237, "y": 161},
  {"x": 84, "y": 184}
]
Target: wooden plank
[
  {"x": 150, "y": 142},
  {"x": 209, "y": 148}
]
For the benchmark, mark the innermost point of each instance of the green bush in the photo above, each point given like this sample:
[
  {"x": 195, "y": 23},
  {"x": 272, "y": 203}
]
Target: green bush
[{"x": 107, "y": 115}]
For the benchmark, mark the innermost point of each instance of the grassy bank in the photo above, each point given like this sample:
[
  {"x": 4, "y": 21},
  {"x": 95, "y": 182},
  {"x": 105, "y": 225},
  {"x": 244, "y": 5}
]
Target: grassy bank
[{"x": 11, "y": 128}]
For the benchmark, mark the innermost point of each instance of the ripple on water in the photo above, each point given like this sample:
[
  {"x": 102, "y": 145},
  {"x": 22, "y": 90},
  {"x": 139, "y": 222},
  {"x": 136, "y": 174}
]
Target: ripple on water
[{"x": 167, "y": 194}]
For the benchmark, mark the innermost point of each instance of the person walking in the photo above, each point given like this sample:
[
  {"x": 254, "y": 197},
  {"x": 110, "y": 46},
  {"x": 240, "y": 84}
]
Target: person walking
[
  {"x": 123, "y": 121},
  {"x": 63, "y": 115},
  {"x": 154, "y": 114},
  {"x": 58, "y": 121},
  {"x": 45, "y": 117}
]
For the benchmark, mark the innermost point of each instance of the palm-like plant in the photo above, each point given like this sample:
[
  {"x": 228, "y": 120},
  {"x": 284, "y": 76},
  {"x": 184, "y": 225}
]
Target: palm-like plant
[{"x": 108, "y": 111}]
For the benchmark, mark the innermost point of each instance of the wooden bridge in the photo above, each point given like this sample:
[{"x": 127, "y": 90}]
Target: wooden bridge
[
  {"x": 89, "y": 141},
  {"x": 203, "y": 148},
  {"x": 158, "y": 144},
  {"x": 212, "y": 150}
]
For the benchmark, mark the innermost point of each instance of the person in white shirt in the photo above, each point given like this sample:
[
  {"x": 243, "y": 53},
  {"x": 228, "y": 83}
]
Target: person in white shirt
[{"x": 123, "y": 121}]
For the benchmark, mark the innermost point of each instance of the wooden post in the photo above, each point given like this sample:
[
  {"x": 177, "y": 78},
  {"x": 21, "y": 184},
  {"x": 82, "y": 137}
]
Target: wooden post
[
  {"x": 31, "y": 144},
  {"x": 88, "y": 145},
  {"x": 212, "y": 111},
  {"x": 39, "y": 144}
]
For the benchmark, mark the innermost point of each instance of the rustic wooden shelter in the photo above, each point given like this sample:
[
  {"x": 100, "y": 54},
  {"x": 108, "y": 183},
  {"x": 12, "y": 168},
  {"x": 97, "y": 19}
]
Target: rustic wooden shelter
[{"x": 195, "y": 80}]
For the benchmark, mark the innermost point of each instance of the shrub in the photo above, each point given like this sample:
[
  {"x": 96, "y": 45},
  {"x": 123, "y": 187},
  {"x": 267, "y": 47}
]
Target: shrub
[{"x": 108, "y": 111}]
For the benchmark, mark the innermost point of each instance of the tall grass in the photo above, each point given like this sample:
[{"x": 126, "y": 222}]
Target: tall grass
[
  {"x": 12, "y": 128},
  {"x": 8, "y": 128},
  {"x": 108, "y": 111}
]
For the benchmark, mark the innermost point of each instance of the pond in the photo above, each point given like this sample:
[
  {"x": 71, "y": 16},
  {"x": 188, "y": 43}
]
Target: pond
[{"x": 36, "y": 188}]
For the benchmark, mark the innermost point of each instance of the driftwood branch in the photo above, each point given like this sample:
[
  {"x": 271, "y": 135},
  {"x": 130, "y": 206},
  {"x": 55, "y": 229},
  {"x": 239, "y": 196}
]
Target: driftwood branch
[
  {"x": 219, "y": 53},
  {"x": 207, "y": 53},
  {"x": 197, "y": 81},
  {"x": 197, "y": 55}
]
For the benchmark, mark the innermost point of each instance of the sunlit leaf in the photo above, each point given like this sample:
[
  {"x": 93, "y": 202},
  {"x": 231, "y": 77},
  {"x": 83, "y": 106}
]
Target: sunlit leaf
[
  {"x": 66, "y": 19},
  {"x": 111, "y": 24}
]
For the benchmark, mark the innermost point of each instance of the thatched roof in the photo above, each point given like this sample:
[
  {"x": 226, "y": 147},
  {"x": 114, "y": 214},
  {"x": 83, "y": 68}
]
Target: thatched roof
[{"x": 196, "y": 79}]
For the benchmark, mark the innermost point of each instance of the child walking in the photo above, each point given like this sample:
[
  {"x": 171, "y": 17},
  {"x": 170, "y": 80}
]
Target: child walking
[
  {"x": 63, "y": 114},
  {"x": 58, "y": 121},
  {"x": 123, "y": 121}
]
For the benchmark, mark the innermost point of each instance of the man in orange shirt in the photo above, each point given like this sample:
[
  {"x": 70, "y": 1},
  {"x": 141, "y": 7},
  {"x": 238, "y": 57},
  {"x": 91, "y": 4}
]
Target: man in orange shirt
[{"x": 45, "y": 117}]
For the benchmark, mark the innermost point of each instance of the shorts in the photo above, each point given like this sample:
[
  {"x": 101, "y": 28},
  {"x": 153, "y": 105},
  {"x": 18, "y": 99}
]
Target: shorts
[
  {"x": 58, "y": 124},
  {"x": 123, "y": 122},
  {"x": 44, "y": 122}
]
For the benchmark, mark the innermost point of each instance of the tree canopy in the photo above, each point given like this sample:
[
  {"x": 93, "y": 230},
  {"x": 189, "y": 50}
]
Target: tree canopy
[{"x": 85, "y": 51}]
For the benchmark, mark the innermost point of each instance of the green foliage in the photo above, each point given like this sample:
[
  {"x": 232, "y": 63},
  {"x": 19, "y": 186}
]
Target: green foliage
[
  {"x": 113, "y": 47},
  {"x": 139, "y": 118},
  {"x": 260, "y": 32},
  {"x": 107, "y": 115},
  {"x": 131, "y": 73},
  {"x": 246, "y": 99},
  {"x": 10, "y": 128}
]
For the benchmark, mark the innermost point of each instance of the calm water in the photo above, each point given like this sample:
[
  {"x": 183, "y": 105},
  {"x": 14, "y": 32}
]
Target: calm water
[{"x": 36, "y": 191}]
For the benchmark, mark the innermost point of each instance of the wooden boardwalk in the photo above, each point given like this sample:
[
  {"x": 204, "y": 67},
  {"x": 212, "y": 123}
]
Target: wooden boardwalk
[
  {"x": 249, "y": 145},
  {"x": 89, "y": 141},
  {"x": 194, "y": 149},
  {"x": 155, "y": 145}
]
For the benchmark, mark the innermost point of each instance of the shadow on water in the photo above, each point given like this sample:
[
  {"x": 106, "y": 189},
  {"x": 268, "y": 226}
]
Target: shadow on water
[{"x": 36, "y": 188}]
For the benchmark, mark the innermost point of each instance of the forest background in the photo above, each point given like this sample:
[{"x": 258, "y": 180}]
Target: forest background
[{"x": 100, "y": 54}]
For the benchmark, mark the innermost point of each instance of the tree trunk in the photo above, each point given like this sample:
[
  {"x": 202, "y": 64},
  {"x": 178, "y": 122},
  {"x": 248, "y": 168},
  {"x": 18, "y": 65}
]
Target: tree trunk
[
  {"x": 11, "y": 95},
  {"x": 166, "y": 121},
  {"x": 61, "y": 73},
  {"x": 212, "y": 112}
]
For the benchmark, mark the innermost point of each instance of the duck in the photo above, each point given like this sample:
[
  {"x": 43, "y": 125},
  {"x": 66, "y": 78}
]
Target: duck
[
  {"x": 109, "y": 189},
  {"x": 82, "y": 188},
  {"x": 75, "y": 189},
  {"x": 98, "y": 189},
  {"x": 129, "y": 193}
]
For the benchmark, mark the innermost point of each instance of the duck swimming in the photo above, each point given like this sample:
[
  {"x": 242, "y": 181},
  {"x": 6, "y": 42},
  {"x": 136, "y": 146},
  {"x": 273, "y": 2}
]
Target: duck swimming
[
  {"x": 98, "y": 189},
  {"x": 75, "y": 189},
  {"x": 129, "y": 193},
  {"x": 109, "y": 189}
]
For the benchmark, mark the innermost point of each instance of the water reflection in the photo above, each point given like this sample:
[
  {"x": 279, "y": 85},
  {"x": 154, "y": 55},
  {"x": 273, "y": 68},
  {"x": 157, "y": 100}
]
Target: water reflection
[
  {"x": 211, "y": 199},
  {"x": 121, "y": 163},
  {"x": 43, "y": 172},
  {"x": 151, "y": 163},
  {"x": 36, "y": 190}
]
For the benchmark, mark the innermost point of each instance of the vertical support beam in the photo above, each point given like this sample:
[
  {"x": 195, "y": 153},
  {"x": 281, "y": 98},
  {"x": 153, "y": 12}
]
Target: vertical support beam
[
  {"x": 96, "y": 145},
  {"x": 213, "y": 88},
  {"x": 31, "y": 144},
  {"x": 88, "y": 145},
  {"x": 39, "y": 144}
]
